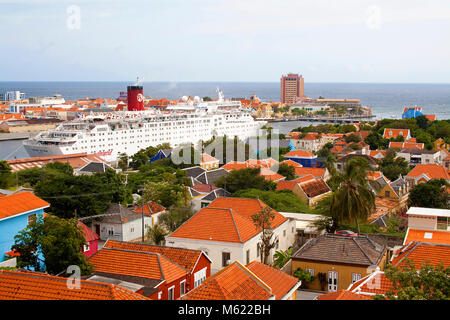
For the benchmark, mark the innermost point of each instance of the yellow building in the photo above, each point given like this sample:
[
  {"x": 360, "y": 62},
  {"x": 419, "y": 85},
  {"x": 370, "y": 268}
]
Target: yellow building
[
  {"x": 439, "y": 144},
  {"x": 337, "y": 261},
  {"x": 209, "y": 162}
]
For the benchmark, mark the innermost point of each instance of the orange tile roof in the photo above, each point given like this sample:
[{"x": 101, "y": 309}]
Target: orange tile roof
[
  {"x": 314, "y": 188},
  {"x": 422, "y": 253},
  {"x": 430, "y": 117},
  {"x": 375, "y": 153},
  {"x": 374, "y": 283},
  {"x": 280, "y": 282},
  {"x": 299, "y": 154},
  {"x": 16, "y": 285},
  {"x": 394, "y": 133},
  {"x": 311, "y": 136},
  {"x": 136, "y": 264},
  {"x": 432, "y": 171},
  {"x": 337, "y": 149},
  {"x": 226, "y": 220},
  {"x": 304, "y": 171},
  {"x": 291, "y": 163},
  {"x": 149, "y": 208},
  {"x": 186, "y": 258},
  {"x": 270, "y": 175},
  {"x": 20, "y": 203},
  {"x": 305, "y": 178},
  {"x": 235, "y": 165},
  {"x": 437, "y": 236},
  {"x": 374, "y": 175},
  {"x": 406, "y": 145},
  {"x": 341, "y": 295},
  {"x": 234, "y": 282},
  {"x": 289, "y": 185},
  {"x": 208, "y": 158}
]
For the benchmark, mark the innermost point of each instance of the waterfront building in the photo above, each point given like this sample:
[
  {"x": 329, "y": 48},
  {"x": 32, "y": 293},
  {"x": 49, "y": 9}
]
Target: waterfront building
[{"x": 291, "y": 87}]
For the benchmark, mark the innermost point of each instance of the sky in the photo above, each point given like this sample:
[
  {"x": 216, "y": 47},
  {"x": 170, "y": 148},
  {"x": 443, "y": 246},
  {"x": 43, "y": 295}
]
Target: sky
[{"x": 225, "y": 40}]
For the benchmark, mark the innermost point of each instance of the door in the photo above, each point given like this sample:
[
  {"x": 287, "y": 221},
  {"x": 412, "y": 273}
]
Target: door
[
  {"x": 97, "y": 229},
  {"x": 332, "y": 281}
]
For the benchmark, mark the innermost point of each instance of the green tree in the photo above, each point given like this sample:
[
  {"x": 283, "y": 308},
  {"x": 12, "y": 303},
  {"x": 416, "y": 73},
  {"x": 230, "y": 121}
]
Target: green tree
[
  {"x": 244, "y": 179},
  {"x": 304, "y": 276},
  {"x": 165, "y": 193},
  {"x": 156, "y": 234},
  {"x": 57, "y": 240},
  {"x": 287, "y": 171},
  {"x": 6, "y": 177},
  {"x": 429, "y": 283},
  {"x": 393, "y": 166},
  {"x": 173, "y": 218},
  {"x": 281, "y": 258},
  {"x": 206, "y": 98},
  {"x": 123, "y": 161},
  {"x": 376, "y": 141},
  {"x": 352, "y": 138},
  {"x": 138, "y": 159},
  {"x": 353, "y": 201},
  {"x": 432, "y": 194},
  {"x": 263, "y": 221}
]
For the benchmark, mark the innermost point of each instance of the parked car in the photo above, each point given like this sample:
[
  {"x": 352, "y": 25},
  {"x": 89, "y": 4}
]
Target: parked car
[{"x": 346, "y": 233}]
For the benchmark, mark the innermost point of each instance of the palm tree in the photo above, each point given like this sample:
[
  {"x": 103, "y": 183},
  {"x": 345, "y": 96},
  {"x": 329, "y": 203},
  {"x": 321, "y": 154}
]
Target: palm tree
[{"x": 353, "y": 200}]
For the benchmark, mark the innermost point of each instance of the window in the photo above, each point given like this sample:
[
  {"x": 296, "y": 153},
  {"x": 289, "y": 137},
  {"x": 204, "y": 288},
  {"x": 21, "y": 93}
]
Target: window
[
  {"x": 199, "y": 277},
  {"x": 225, "y": 258},
  {"x": 170, "y": 292},
  {"x": 284, "y": 233},
  {"x": 31, "y": 218},
  {"x": 247, "y": 257},
  {"x": 257, "y": 250},
  {"x": 356, "y": 277},
  {"x": 310, "y": 271},
  {"x": 159, "y": 295},
  {"x": 387, "y": 194},
  {"x": 110, "y": 231},
  {"x": 132, "y": 230},
  {"x": 292, "y": 229},
  {"x": 86, "y": 248},
  {"x": 183, "y": 288}
]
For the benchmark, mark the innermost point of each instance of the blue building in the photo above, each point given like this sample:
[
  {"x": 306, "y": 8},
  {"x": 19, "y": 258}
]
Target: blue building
[
  {"x": 412, "y": 112},
  {"x": 162, "y": 154},
  {"x": 16, "y": 211},
  {"x": 305, "y": 158}
]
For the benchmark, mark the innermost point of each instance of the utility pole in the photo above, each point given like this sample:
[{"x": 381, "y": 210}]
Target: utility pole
[{"x": 142, "y": 223}]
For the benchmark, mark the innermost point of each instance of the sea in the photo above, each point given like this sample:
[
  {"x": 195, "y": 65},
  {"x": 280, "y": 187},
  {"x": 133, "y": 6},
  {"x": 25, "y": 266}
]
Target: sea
[{"x": 387, "y": 100}]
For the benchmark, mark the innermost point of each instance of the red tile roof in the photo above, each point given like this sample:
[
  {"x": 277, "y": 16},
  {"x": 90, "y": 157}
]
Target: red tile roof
[
  {"x": 89, "y": 235},
  {"x": 186, "y": 258},
  {"x": 235, "y": 165},
  {"x": 149, "y": 208},
  {"x": 433, "y": 236},
  {"x": 305, "y": 178},
  {"x": 316, "y": 172},
  {"x": 299, "y": 154},
  {"x": 432, "y": 171},
  {"x": 226, "y": 220},
  {"x": 430, "y": 117},
  {"x": 136, "y": 264},
  {"x": 374, "y": 283},
  {"x": 208, "y": 158},
  {"x": 406, "y": 145},
  {"x": 16, "y": 285},
  {"x": 204, "y": 188},
  {"x": 291, "y": 163},
  {"x": 280, "y": 282},
  {"x": 394, "y": 133},
  {"x": 341, "y": 295},
  {"x": 234, "y": 282},
  {"x": 270, "y": 175},
  {"x": 289, "y": 185},
  {"x": 422, "y": 253},
  {"x": 20, "y": 203},
  {"x": 314, "y": 188}
]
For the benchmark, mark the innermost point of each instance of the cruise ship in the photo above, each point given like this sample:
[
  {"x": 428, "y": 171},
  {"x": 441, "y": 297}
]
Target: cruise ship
[{"x": 111, "y": 133}]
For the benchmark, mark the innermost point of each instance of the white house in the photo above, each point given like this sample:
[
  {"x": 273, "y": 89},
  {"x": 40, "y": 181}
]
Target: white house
[{"x": 225, "y": 232}]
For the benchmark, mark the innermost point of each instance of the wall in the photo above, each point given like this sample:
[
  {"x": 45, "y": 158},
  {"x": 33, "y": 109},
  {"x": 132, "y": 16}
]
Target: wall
[
  {"x": 11, "y": 227},
  {"x": 422, "y": 222}
]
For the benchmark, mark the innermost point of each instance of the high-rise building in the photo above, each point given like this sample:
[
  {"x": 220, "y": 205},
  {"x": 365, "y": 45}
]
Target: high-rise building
[{"x": 291, "y": 87}]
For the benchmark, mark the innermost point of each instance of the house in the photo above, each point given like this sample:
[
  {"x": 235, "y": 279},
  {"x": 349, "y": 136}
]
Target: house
[
  {"x": 150, "y": 274},
  {"x": 150, "y": 209},
  {"x": 120, "y": 223},
  {"x": 27, "y": 285},
  {"x": 425, "y": 172},
  {"x": 255, "y": 281},
  {"x": 377, "y": 154},
  {"x": 397, "y": 191},
  {"x": 270, "y": 175},
  {"x": 210, "y": 197},
  {"x": 225, "y": 231},
  {"x": 411, "y": 112},
  {"x": 341, "y": 295},
  {"x": 208, "y": 162},
  {"x": 162, "y": 154},
  {"x": 16, "y": 212},
  {"x": 341, "y": 162},
  {"x": 373, "y": 284},
  {"x": 440, "y": 144},
  {"x": 318, "y": 173},
  {"x": 312, "y": 191},
  {"x": 305, "y": 158},
  {"x": 415, "y": 156},
  {"x": 395, "y": 133},
  {"x": 76, "y": 160},
  {"x": 311, "y": 141},
  {"x": 91, "y": 239},
  {"x": 406, "y": 145},
  {"x": 210, "y": 176},
  {"x": 427, "y": 235},
  {"x": 93, "y": 168},
  {"x": 428, "y": 218},
  {"x": 305, "y": 226},
  {"x": 338, "y": 260},
  {"x": 195, "y": 262},
  {"x": 291, "y": 163}
]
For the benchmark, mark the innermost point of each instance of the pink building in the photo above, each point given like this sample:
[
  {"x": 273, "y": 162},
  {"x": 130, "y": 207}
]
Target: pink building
[
  {"x": 291, "y": 87},
  {"x": 91, "y": 239}
]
